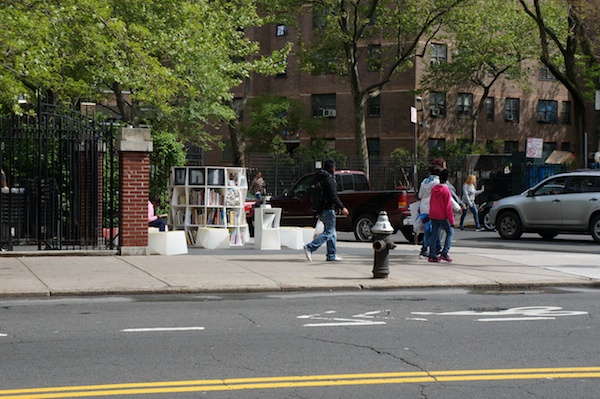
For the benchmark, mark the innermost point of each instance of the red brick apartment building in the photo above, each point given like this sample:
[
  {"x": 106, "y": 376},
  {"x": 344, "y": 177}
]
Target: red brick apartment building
[{"x": 511, "y": 115}]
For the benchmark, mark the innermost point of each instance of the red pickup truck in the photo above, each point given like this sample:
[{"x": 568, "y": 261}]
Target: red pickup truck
[{"x": 364, "y": 205}]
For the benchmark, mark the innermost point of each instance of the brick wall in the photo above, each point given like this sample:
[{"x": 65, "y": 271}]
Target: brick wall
[{"x": 135, "y": 178}]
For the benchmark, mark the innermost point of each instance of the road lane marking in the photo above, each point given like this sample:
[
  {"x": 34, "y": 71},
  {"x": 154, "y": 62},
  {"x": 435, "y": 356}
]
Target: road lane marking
[
  {"x": 282, "y": 382},
  {"x": 364, "y": 319},
  {"x": 527, "y": 313},
  {"x": 161, "y": 329}
]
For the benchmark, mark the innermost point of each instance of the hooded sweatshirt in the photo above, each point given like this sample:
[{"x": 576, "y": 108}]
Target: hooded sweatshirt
[
  {"x": 425, "y": 192},
  {"x": 441, "y": 204}
]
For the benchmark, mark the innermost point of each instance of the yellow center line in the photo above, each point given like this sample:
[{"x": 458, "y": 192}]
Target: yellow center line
[{"x": 300, "y": 381}]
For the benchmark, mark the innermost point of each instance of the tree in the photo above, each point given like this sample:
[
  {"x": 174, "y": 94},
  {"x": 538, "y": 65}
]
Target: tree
[
  {"x": 170, "y": 63},
  {"x": 352, "y": 36},
  {"x": 491, "y": 40},
  {"x": 568, "y": 55},
  {"x": 276, "y": 117}
]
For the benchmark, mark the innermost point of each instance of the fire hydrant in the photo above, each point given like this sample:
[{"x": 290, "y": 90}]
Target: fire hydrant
[{"x": 382, "y": 243}]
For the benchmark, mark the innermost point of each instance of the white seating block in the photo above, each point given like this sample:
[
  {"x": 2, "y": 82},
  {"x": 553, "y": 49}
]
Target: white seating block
[
  {"x": 166, "y": 242},
  {"x": 211, "y": 238},
  {"x": 291, "y": 237}
]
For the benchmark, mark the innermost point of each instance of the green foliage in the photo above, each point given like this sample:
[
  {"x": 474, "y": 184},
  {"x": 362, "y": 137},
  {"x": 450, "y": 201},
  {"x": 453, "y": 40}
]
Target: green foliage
[
  {"x": 319, "y": 152},
  {"x": 167, "y": 152},
  {"x": 273, "y": 119}
]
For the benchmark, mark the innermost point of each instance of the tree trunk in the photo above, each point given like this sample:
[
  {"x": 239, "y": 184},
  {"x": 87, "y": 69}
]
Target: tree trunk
[{"x": 238, "y": 146}]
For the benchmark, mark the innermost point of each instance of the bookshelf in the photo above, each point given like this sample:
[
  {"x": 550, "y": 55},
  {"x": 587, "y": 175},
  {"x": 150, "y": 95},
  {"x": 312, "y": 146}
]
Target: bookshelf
[{"x": 209, "y": 197}]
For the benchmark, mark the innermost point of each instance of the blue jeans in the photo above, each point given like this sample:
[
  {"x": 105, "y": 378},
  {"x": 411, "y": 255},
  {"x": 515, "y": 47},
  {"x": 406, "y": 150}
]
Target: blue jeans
[
  {"x": 473, "y": 209},
  {"x": 160, "y": 223},
  {"x": 328, "y": 235},
  {"x": 427, "y": 237},
  {"x": 434, "y": 246}
]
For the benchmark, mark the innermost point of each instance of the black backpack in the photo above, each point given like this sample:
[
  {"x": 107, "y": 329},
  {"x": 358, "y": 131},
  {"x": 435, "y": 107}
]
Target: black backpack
[{"x": 316, "y": 194}]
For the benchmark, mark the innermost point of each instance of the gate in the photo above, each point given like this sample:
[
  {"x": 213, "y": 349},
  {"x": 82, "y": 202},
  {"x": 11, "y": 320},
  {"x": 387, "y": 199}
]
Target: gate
[{"x": 62, "y": 185}]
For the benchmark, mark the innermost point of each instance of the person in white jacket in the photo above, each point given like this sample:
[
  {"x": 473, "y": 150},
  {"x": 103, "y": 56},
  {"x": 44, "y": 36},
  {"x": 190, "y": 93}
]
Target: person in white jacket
[
  {"x": 425, "y": 196},
  {"x": 469, "y": 190}
]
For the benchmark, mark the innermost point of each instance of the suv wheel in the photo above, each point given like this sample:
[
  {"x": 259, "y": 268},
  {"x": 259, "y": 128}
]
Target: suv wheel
[
  {"x": 362, "y": 228},
  {"x": 509, "y": 226},
  {"x": 595, "y": 228}
]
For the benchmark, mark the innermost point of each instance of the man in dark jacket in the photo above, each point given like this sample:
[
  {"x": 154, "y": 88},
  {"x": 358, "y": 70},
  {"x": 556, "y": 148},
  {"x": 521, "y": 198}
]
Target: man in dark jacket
[{"x": 327, "y": 214}]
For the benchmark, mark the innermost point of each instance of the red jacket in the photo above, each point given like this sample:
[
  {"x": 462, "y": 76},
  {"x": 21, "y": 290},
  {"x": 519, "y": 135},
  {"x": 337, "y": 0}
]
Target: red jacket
[{"x": 440, "y": 206}]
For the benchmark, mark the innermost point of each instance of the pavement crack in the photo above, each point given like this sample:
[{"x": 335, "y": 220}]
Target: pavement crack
[{"x": 379, "y": 352}]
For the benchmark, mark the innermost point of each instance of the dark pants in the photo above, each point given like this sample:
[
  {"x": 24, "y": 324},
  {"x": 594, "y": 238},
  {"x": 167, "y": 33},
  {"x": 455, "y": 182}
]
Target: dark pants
[{"x": 160, "y": 223}]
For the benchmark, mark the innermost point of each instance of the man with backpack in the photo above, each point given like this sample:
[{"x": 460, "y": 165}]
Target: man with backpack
[{"x": 325, "y": 209}]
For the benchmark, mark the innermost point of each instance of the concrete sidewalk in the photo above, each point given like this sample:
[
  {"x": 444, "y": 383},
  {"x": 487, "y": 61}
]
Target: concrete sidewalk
[{"x": 252, "y": 270}]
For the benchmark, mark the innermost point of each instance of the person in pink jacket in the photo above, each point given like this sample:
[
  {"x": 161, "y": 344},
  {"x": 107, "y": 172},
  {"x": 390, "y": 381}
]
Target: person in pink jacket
[
  {"x": 155, "y": 220},
  {"x": 441, "y": 215}
]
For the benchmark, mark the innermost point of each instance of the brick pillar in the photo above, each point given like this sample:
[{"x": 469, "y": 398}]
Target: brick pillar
[{"x": 135, "y": 146}]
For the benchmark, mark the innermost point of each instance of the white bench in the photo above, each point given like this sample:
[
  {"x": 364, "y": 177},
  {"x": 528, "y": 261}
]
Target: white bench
[
  {"x": 166, "y": 242},
  {"x": 211, "y": 238}
]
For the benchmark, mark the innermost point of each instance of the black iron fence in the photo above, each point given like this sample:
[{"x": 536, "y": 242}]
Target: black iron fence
[
  {"x": 502, "y": 175},
  {"x": 62, "y": 184}
]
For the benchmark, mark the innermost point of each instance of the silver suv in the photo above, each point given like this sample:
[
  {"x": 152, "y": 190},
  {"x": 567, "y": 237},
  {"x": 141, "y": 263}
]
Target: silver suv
[{"x": 563, "y": 203}]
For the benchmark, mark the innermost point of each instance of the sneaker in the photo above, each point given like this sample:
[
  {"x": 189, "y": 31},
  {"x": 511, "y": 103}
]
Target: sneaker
[
  {"x": 445, "y": 257},
  {"x": 423, "y": 254},
  {"x": 308, "y": 253},
  {"x": 434, "y": 259},
  {"x": 336, "y": 259},
  {"x": 479, "y": 229},
  {"x": 462, "y": 228}
]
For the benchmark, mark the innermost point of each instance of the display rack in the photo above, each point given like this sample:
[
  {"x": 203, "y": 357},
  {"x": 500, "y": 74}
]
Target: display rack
[{"x": 209, "y": 197}]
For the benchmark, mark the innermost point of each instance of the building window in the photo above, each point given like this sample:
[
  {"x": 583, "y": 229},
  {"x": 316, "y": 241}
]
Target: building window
[
  {"x": 439, "y": 53},
  {"x": 565, "y": 112},
  {"x": 437, "y": 145},
  {"x": 281, "y": 30},
  {"x": 226, "y": 155},
  {"x": 437, "y": 104},
  {"x": 511, "y": 113},
  {"x": 373, "y": 147},
  {"x": 545, "y": 74},
  {"x": 548, "y": 147},
  {"x": 374, "y": 107},
  {"x": 374, "y": 58},
  {"x": 547, "y": 111},
  {"x": 464, "y": 105},
  {"x": 489, "y": 109},
  {"x": 511, "y": 147},
  {"x": 565, "y": 146},
  {"x": 324, "y": 105}
]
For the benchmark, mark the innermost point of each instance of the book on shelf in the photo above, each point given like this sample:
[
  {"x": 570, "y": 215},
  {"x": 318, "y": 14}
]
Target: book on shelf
[
  {"x": 197, "y": 197},
  {"x": 191, "y": 236}
]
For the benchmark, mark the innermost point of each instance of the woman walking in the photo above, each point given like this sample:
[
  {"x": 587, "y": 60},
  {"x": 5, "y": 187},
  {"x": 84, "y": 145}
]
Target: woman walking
[{"x": 469, "y": 190}]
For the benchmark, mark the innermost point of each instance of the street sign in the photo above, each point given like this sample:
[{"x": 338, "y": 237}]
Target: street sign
[
  {"x": 413, "y": 114},
  {"x": 534, "y": 148}
]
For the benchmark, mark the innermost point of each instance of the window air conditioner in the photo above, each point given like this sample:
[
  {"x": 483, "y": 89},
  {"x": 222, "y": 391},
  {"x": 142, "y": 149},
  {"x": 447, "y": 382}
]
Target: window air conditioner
[{"x": 329, "y": 113}]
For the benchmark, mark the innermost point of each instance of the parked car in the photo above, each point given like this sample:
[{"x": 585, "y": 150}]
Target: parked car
[
  {"x": 363, "y": 203},
  {"x": 483, "y": 210},
  {"x": 563, "y": 203}
]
